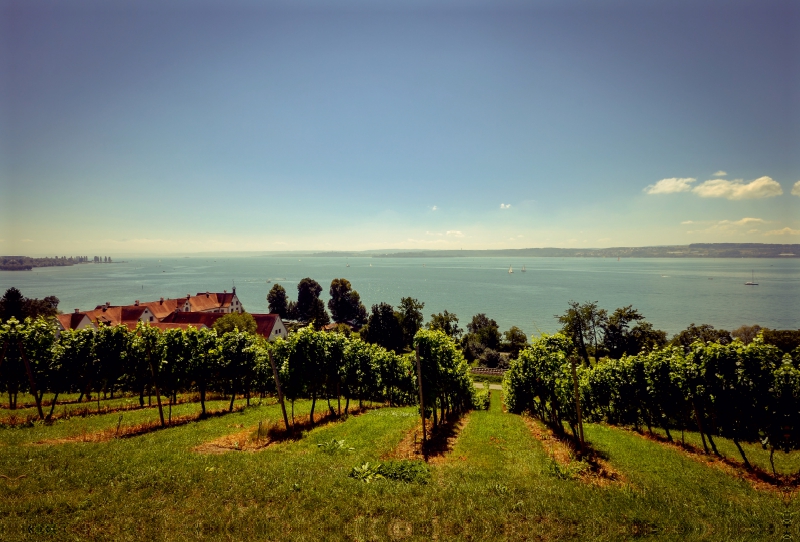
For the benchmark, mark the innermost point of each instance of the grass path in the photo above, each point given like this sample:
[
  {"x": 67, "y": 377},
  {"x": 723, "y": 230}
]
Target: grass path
[{"x": 494, "y": 485}]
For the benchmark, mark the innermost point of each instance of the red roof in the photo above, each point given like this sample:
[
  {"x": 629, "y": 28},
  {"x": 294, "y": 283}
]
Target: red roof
[
  {"x": 71, "y": 320},
  {"x": 265, "y": 323},
  {"x": 204, "y": 301},
  {"x": 132, "y": 313},
  {"x": 163, "y": 326},
  {"x": 205, "y": 318},
  {"x": 108, "y": 315},
  {"x": 162, "y": 308}
]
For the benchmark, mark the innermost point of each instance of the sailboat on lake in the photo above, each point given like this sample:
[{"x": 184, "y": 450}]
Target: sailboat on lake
[
  {"x": 523, "y": 269},
  {"x": 510, "y": 270},
  {"x": 752, "y": 281}
]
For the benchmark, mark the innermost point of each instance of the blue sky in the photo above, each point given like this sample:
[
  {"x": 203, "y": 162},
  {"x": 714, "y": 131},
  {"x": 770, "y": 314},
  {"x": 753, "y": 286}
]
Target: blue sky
[{"x": 152, "y": 127}]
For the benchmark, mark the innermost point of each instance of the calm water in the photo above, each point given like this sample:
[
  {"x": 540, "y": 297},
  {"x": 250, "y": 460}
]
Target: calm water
[{"x": 671, "y": 293}]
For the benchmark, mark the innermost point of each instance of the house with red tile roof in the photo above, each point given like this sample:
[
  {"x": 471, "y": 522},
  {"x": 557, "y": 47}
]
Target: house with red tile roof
[
  {"x": 198, "y": 311},
  {"x": 74, "y": 320},
  {"x": 267, "y": 325},
  {"x": 113, "y": 315},
  {"x": 270, "y": 326}
]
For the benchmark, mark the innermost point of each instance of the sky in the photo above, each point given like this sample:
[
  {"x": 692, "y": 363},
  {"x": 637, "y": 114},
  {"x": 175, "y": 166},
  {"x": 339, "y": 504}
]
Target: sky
[{"x": 176, "y": 127}]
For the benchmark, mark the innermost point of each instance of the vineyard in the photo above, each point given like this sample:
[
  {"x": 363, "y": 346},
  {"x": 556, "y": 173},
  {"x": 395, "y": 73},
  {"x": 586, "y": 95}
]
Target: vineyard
[{"x": 119, "y": 434}]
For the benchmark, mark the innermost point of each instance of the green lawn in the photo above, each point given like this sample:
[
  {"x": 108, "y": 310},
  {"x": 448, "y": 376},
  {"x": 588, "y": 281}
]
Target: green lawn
[{"x": 495, "y": 485}]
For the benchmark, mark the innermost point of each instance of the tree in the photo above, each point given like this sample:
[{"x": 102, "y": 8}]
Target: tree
[
  {"x": 47, "y": 307},
  {"x": 11, "y": 305},
  {"x": 583, "y": 324},
  {"x": 746, "y": 334},
  {"x": 242, "y": 321},
  {"x": 490, "y": 358},
  {"x": 309, "y": 306},
  {"x": 485, "y": 330},
  {"x": 278, "y": 302},
  {"x": 410, "y": 311},
  {"x": 383, "y": 328},
  {"x": 345, "y": 304},
  {"x": 616, "y": 331},
  {"x": 643, "y": 338},
  {"x": 514, "y": 340},
  {"x": 447, "y": 323},
  {"x": 704, "y": 333},
  {"x": 785, "y": 339},
  {"x": 14, "y": 304}
]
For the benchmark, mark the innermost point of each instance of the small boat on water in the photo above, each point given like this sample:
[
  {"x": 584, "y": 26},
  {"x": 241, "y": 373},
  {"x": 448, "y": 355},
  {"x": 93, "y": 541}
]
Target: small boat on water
[
  {"x": 752, "y": 281},
  {"x": 348, "y": 265},
  {"x": 510, "y": 270},
  {"x": 523, "y": 269}
]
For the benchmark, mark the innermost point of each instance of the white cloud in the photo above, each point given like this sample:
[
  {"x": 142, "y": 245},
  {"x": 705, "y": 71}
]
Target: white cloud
[
  {"x": 670, "y": 186},
  {"x": 743, "y": 221},
  {"x": 719, "y": 173},
  {"x": 433, "y": 233},
  {"x": 725, "y": 227},
  {"x": 434, "y": 208},
  {"x": 455, "y": 233},
  {"x": 763, "y": 187},
  {"x": 796, "y": 189},
  {"x": 784, "y": 231},
  {"x": 505, "y": 206}
]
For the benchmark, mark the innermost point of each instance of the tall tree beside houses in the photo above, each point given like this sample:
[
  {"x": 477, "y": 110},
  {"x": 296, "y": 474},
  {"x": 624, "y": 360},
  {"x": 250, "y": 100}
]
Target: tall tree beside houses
[
  {"x": 278, "y": 301},
  {"x": 345, "y": 304},
  {"x": 411, "y": 318},
  {"x": 383, "y": 328},
  {"x": 310, "y": 308}
]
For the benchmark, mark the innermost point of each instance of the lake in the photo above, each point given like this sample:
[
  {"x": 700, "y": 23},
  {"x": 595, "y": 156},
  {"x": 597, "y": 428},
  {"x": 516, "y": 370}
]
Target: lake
[{"x": 671, "y": 293}]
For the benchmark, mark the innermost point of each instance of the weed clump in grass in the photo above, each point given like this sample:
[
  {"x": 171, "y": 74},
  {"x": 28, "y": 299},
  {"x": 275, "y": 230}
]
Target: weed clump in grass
[
  {"x": 400, "y": 471},
  {"x": 570, "y": 471},
  {"x": 334, "y": 446}
]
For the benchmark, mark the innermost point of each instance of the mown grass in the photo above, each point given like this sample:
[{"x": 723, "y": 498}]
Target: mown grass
[
  {"x": 494, "y": 485},
  {"x": 492, "y": 379},
  {"x": 755, "y": 452}
]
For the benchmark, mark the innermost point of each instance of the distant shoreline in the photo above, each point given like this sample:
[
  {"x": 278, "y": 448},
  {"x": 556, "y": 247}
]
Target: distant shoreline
[{"x": 698, "y": 250}]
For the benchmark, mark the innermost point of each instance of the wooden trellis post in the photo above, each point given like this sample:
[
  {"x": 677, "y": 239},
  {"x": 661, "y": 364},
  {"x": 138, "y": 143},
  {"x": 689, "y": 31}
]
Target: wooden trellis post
[
  {"x": 421, "y": 401},
  {"x": 280, "y": 393}
]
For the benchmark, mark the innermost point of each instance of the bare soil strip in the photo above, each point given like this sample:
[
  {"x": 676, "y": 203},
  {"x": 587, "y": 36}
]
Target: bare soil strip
[
  {"x": 563, "y": 450},
  {"x": 272, "y": 432},
  {"x": 127, "y": 431},
  {"x": 757, "y": 477},
  {"x": 440, "y": 442}
]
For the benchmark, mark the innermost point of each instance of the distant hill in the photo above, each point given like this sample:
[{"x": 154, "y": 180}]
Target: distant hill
[{"x": 696, "y": 250}]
